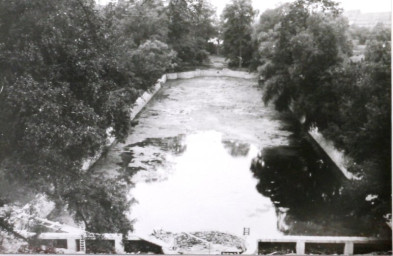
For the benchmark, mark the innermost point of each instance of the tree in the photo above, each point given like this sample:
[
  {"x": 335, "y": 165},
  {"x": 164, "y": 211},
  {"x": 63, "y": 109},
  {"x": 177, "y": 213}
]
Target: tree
[
  {"x": 307, "y": 47},
  {"x": 304, "y": 54},
  {"x": 362, "y": 127},
  {"x": 362, "y": 124},
  {"x": 266, "y": 35},
  {"x": 237, "y": 20},
  {"x": 150, "y": 60},
  {"x": 369, "y": 140},
  {"x": 190, "y": 28},
  {"x": 58, "y": 75},
  {"x": 180, "y": 28},
  {"x": 139, "y": 31},
  {"x": 137, "y": 21},
  {"x": 361, "y": 34},
  {"x": 203, "y": 28}
]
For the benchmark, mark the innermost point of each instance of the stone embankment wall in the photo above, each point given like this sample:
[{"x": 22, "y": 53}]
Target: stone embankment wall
[
  {"x": 141, "y": 102},
  {"x": 212, "y": 73},
  {"x": 324, "y": 146},
  {"x": 331, "y": 157},
  {"x": 338, "y": 157}
]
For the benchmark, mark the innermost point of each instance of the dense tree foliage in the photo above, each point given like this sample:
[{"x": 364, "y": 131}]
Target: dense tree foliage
[
  {"x": 303, "y": 55},
  {"x": 184, "y": 25},
  {"x": 189, "y": 29},
  {"x": 70, "y": 70},
  {"x": 138, "y": 35},
  {"x": 362, "y": 124},
  {"x": 57, "y": 102},
  {"x": 299, "y": 53},
  {"x": 237, "y": 19},
  {"x": 361, "y": 34}
]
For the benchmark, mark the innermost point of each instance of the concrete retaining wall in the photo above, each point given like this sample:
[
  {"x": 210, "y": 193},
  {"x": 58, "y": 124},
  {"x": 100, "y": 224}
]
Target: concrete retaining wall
[
  {"x": 337, "y": 156},
  {"x": 327, "y": 147},
  {"x": 141, "y": 102},
  {"x": 212, "y": 73}
]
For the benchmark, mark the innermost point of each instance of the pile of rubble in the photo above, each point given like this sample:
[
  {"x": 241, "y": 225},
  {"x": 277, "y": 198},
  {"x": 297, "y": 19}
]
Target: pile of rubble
[{"x": 201, "y": 242}]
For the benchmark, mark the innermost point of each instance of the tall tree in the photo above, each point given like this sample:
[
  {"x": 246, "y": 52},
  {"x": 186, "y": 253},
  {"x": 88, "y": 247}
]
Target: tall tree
[
  {"x": 190, "y": 28},
  {"x": 306, "y": 47},
  {"x": 203, "y": 28},
  {"x": 139, "y": 32},
  {"x": 237, "y": 20},
  {"x": 304, "y": 51},
  {"x": 55, "y": 105},
  {"x": 180, "y": 28},
  {"x": 138, "y": 21}
]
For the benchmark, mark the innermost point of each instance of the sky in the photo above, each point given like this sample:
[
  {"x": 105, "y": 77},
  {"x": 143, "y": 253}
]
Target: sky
[
  {"x": 262, "y": 5},
  {"x": 347, "y": 5}
]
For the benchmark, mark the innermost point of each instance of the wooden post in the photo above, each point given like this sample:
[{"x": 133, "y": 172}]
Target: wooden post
[
  {"x": 300, "y": 247},
  {"x": 348, "y": 248}
]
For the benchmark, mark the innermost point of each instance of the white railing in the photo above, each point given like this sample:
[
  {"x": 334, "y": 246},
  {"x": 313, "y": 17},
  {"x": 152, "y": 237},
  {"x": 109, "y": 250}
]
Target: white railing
[{"x": 348, "y": 242}]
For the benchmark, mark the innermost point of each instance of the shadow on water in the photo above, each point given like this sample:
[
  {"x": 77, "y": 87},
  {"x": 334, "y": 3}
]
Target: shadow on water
[
  {"x": 174, "y": 145},
  {"x": 309, "y": 192},
  {"x": 235, "y": 148}
]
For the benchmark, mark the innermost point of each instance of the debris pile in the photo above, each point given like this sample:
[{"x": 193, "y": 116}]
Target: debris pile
[{"x": 203, "y": 242}]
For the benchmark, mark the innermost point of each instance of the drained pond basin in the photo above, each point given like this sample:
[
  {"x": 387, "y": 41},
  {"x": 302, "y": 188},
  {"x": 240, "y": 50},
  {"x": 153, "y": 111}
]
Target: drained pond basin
[{"x": 206, "y": 154}]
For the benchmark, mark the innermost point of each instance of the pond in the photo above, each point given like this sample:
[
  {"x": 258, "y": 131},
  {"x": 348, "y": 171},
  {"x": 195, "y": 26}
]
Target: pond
[{"x": 206, "y": 154}]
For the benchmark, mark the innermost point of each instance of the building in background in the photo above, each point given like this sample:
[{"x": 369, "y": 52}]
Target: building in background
[{"x": 368, "y": 20}]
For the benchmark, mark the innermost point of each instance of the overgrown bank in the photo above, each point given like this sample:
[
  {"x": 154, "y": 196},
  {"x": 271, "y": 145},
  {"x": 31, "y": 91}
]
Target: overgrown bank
[
  {"x": 302, "y": 54},
  {"x": 70, "y": 70}
]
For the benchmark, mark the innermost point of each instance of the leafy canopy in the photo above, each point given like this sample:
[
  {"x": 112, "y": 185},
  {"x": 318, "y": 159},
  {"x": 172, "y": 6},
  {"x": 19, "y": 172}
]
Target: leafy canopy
[{"x": 237, "y": 18}]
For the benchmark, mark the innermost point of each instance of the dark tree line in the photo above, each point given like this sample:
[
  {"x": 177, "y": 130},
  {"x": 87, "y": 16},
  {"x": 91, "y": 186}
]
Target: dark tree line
[
  {"x": 69, "y": 70},
  {"x": 303, "y": 58}
]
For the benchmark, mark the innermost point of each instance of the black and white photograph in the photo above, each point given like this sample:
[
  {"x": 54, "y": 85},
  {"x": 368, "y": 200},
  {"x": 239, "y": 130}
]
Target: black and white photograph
[{"x": 197, "y": 127}]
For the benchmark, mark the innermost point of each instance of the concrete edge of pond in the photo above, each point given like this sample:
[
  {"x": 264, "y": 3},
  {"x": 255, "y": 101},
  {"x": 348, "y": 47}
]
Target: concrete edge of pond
[
  {"x": 212, "y": 73},
  {"x": 326, "y": 147}
]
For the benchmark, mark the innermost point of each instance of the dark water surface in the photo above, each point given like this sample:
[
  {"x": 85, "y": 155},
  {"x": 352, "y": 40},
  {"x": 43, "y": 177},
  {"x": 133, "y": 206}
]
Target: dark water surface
[{"x": 207, "y": 154}]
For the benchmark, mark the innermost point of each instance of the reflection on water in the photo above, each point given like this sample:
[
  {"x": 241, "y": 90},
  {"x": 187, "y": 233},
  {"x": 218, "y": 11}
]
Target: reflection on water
[
  {"x": 223, "y": 161},
  {"x": 300, "y": 182},
  {"x": 146, "y": 156},
  {"x": 207, "y": 189},
  {"x": 174, "y": 145},
  {"x": 236, "y": 148}
]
